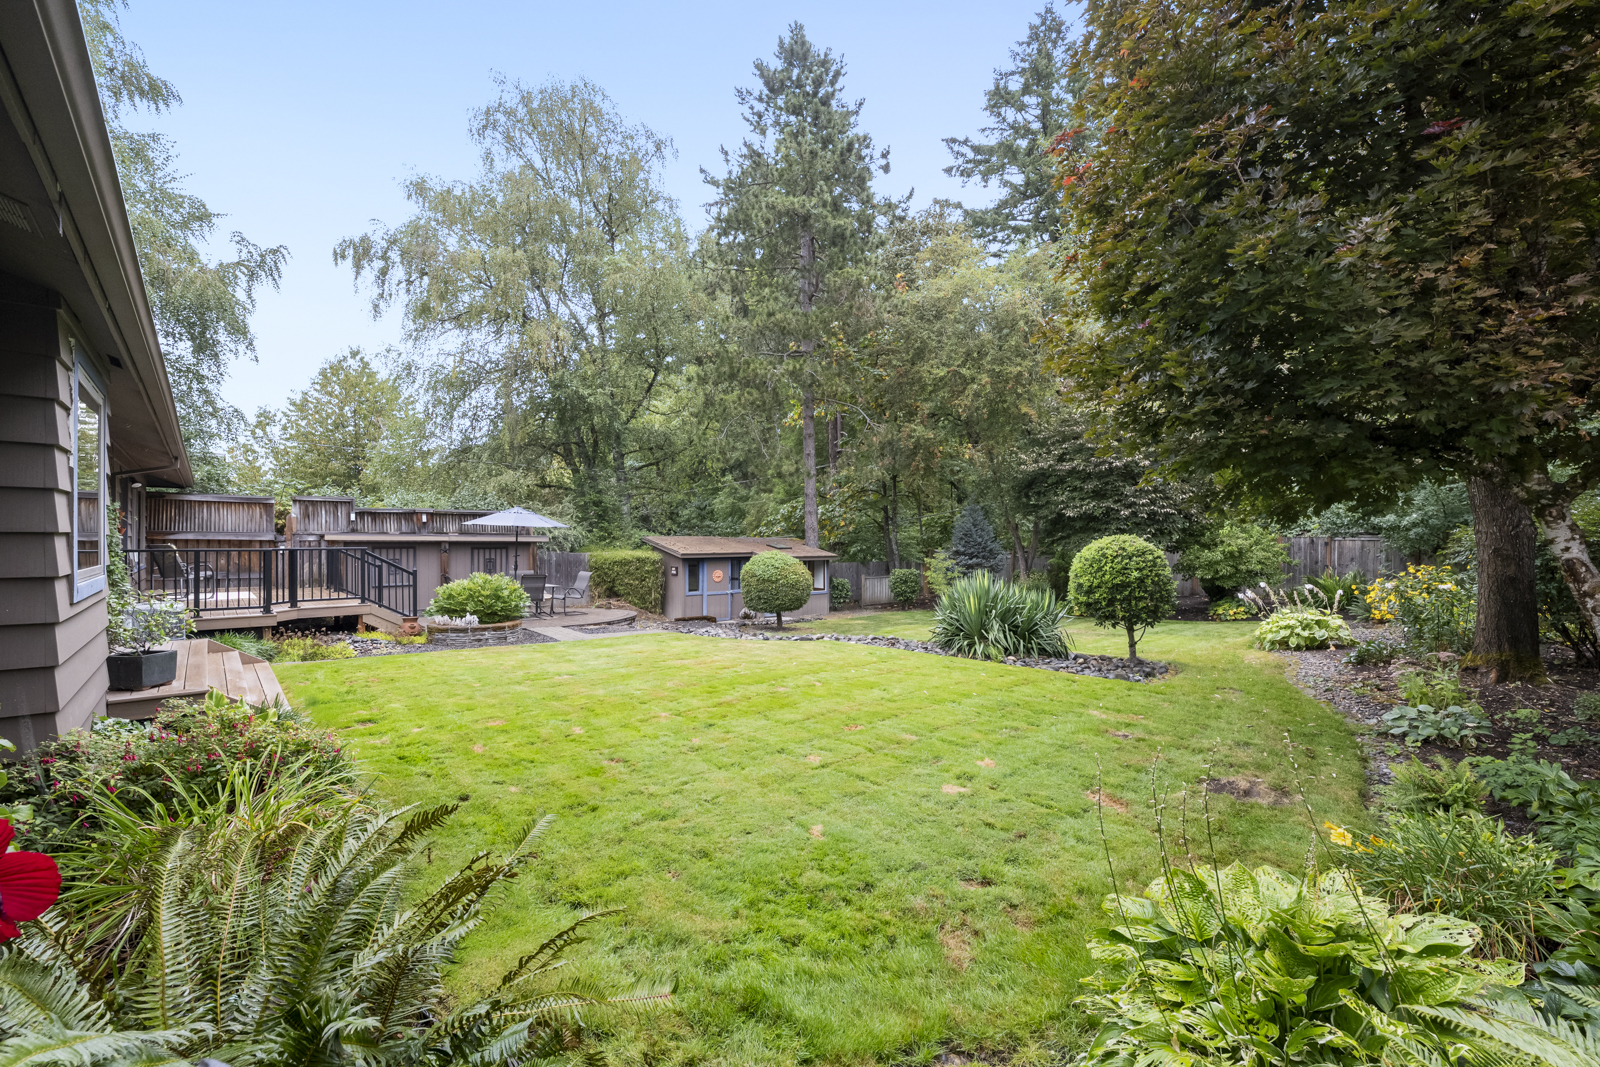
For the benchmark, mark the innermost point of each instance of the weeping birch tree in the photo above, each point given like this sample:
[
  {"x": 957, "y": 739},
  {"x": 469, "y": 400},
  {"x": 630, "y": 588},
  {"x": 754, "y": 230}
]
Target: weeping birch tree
[{"x": 548, "y": 301}]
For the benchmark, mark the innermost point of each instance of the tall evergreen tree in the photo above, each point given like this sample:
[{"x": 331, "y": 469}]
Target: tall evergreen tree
[
  {"x": 1029, "y": 107},
  {"x": 973, "y": 545},
  {"x": 794, "y": 222}
]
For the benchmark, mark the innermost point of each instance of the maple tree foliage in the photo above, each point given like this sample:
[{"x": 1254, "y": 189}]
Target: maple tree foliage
[{"x": 1332, "y": 250}]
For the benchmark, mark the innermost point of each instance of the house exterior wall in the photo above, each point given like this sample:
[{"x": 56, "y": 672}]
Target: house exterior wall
[
  {"x": 715, "y": 597},
  {"x": 52, "y": 648}
]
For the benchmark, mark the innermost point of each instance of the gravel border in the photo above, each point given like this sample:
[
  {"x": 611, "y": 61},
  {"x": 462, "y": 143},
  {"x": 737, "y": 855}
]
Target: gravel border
[{"x": 1109, "y": 667}]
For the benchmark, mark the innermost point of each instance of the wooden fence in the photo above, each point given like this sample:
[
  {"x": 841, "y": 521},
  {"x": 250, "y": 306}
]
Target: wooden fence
[
  {"x": 1312, "y": 556},
  {"x": 208, "y": 517}
]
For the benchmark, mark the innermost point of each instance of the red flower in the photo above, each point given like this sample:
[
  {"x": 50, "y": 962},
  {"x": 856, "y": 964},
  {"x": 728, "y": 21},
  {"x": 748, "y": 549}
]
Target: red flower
[
  {"x": 29, "y": 883},
  {"x": 1443, "y": 126}
]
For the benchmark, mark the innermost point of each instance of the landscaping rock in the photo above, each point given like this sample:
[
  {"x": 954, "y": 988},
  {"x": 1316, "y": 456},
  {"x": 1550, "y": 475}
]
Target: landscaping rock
[{"x": 1109, "y": 667}]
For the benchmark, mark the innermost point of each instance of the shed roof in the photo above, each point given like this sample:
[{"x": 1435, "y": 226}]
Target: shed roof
[{"x": 701, "y": 547}]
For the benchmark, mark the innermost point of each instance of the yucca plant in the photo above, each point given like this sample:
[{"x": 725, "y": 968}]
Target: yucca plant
[
  {"x": 985, "y": 618},
  {"x": 283, "y": 940}
]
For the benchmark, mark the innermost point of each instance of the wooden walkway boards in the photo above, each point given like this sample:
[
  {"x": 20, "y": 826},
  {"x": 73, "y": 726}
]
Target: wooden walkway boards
[{"x": 203, "y": 665}]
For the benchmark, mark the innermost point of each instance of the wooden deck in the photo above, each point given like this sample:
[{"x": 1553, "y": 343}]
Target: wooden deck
[{"x": 203, "y": 665}]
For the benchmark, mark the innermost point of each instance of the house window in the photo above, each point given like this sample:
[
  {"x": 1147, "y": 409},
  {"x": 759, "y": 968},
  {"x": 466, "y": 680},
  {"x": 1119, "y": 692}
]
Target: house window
[
  {"x": 819, "y": 575},
  {"x": 89, "y": 485},
  {"x": 691, "y": 570},
  {"x": 734, "y": 567}
]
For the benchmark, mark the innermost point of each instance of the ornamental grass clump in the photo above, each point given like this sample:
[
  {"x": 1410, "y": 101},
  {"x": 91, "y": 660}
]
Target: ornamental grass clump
[
  {"x": 490, "y": 597},
  {"x": 983, "y": 617},
  {"x": 1457, "y": 863}
]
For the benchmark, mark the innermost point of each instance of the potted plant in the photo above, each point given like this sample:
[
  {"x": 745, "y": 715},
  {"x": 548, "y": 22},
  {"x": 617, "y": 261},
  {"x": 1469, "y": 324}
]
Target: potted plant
[{"x": 134, "y": 628}]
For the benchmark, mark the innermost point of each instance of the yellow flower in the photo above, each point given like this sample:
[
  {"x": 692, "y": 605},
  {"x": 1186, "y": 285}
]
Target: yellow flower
[{"x": 1339, "y": 835}]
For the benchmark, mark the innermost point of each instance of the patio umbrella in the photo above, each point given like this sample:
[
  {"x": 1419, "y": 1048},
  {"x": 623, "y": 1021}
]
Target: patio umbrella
[{"x": 520, "y": 518}]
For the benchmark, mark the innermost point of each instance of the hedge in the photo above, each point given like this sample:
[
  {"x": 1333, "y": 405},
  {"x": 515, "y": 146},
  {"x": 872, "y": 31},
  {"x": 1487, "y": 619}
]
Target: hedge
[{"x": 628, "y": 574}]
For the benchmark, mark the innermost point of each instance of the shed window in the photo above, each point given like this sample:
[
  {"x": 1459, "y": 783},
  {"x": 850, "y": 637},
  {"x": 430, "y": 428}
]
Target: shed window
[
  {"x": 734, "y": 567},
  {"x": 691, "y": 570},
  {"x": 88, "y": 483},
  {"x": 819, "y": 575}
]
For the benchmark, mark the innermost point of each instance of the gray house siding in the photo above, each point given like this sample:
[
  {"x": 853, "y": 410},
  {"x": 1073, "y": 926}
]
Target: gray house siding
[{"x": 52, "y": 649}]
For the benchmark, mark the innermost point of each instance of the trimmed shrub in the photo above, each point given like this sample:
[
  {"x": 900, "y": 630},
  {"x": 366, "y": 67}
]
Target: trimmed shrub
[
  {"x": 775, "y": 582},
  {"x": 985, "y": 618},
  {"x": 1234, "y": 556},
  {"x": 491, "y": 597},
  {"x": 905, "y": 585},
  {"x": 973, "y": 545},
  {"x": 628, "y": 574},
  {"x": 839, "y": 592},
  {"x": 942, "y": 573},
  {"x": 1123, "y": 581}
]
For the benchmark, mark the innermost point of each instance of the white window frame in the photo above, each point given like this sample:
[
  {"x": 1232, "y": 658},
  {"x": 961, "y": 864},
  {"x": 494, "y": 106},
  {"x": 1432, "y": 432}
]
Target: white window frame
[
  {"x": 89, "y": 582},
  {"x": 819, "y": 576}
]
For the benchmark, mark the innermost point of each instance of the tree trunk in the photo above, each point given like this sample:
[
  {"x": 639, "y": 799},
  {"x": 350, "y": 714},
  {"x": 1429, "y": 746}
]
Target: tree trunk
[
  {"x": 894, "y": 520},
  {"x": 1572, "y": 552},
  {"x": 835, "y": 435},
  {"x": 808, "y": 400},
  {"x": 1020, "y": 571},
  {"x": 1505, "y": 638},
  {"x": 1133, "y": 646}
]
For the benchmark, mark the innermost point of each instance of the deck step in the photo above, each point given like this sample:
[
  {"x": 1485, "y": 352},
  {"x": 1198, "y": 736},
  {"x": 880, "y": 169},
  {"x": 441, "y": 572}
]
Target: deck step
[{"x": 203, "y": 665}]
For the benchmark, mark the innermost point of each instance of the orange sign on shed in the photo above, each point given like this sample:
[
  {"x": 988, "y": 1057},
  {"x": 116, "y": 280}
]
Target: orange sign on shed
[{"x": 716, "y": 576}]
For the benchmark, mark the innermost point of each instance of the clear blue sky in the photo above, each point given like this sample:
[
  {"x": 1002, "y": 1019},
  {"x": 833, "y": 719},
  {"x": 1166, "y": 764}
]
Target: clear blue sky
[{"x": 299, "y": 119}]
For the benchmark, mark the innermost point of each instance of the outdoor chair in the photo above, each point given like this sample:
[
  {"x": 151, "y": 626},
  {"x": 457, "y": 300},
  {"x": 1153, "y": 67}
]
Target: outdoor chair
[
  {"x": 576, "y": 591},
  {"x": 533, "y": 585},
  {"x": 176, "y": 576}
]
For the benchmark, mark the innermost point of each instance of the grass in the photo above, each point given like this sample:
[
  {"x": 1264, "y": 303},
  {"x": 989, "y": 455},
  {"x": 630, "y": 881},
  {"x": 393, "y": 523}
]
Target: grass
[
  {"x": 846, "y": 855},
  {"x": 912, "y": 625}
]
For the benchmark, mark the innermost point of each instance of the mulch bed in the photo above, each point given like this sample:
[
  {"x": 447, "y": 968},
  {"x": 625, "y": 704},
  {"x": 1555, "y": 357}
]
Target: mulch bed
[{"x": 1364, "y": 693}]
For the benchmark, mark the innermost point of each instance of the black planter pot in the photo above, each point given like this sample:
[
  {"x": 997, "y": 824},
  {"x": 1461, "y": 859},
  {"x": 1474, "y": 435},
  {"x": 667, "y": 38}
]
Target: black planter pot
[{"x": 141, "y": 670}]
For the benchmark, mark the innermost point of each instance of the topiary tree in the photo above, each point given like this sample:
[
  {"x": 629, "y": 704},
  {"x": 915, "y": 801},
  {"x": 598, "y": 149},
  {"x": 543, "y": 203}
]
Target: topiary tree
[
  {"x": 1123, "y": 581},
  {"x": 491, "y": 597},
  {"x": 775, "y": 582},
  {"x": 1235, "y": 555},
  {"x": 973, "y": 545},
  {"x": 905, "y": 585}
]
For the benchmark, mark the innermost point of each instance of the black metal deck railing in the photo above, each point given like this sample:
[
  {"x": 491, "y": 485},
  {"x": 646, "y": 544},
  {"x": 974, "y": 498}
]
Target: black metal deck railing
[{"x": 234, "y": 581}]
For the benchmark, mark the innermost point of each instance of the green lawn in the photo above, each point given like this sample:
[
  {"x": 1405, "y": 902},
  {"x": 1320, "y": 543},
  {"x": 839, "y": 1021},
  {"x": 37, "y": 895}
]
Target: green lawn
[
  {"x": 912, "y": 625},
  {"x": 845, "y": 854}
]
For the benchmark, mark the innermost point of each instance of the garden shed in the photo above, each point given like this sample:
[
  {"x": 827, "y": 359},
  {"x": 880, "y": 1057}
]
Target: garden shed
[{"x": 702, "y": 573}]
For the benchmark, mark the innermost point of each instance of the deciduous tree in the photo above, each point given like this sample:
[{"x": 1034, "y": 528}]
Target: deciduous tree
[{"x": 1334, "y": 250}]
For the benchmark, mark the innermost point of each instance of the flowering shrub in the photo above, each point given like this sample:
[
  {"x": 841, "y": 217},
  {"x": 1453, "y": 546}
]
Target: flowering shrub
[
  {"x": 1433, "y": 605},
  {"x": 191, "y": 744},
  {"x": 491, "y": 597}
]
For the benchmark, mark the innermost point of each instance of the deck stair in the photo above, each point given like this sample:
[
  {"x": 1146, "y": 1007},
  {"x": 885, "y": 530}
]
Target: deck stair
[{"x": 203, "y": 665}]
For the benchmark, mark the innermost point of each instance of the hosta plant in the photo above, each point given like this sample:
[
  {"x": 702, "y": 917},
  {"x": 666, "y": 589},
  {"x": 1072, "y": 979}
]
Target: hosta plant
[
  {"x": 1456, "y": 726},
  {"x": 1260, "y": 968},
  {"x": 1301, "y": 630},
  {"x": 986, "y": 618}
]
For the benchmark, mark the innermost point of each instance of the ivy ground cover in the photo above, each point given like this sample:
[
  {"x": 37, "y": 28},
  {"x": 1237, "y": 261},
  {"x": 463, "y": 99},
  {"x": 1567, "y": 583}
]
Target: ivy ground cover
[{"x": 844, "y": 854}]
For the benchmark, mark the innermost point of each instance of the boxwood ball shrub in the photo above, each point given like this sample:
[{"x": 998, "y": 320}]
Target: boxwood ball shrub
[
  {"x": 1123, "y": 581},
  {"x": 633, "y": 575},
  {"x": 839, "y": 592},
  {"x": 491, "y": 597},
  {"x": 905, "y": 585},
  {"x": 775, "y": 582}
]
